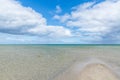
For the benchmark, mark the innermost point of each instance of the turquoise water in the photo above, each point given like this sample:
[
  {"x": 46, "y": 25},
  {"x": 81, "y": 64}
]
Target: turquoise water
[{"x": 44, "y": 62}]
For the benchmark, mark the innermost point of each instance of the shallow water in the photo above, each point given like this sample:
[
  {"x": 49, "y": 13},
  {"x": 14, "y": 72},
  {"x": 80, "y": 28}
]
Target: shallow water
[{"x": 44, "y": 62}]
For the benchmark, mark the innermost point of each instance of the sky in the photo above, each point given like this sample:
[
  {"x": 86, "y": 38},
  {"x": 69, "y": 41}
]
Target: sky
[{"x": 59, "y": 21}]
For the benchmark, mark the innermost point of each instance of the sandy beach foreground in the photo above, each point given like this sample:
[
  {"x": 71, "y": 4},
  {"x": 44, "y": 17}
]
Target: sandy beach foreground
[
  {"x": 93, "y": 71},
  {"x": 97, "y": 72}
]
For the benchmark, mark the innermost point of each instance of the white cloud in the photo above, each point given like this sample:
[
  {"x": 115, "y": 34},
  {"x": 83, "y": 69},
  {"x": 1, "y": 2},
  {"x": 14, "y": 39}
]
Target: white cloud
[
  {"x": 15, "y": 39},
  {"x": 94, "y": 19},
  {"x": 17, "y": 19},
  {"x": 51, "y": 31},
  {"x": 58, "y": 9},
  {"x": 63, "y": 18}
]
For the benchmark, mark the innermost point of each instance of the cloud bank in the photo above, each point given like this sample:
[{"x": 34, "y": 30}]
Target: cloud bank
[
  {"x": 17, "y": 19},
  {"x": 94, "y": 21}
]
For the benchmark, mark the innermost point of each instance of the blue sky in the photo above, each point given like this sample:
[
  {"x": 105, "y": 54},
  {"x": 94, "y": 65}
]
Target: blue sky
[
  {"x": 48, "y": 7},
  {"x": 59, "y": 22}
]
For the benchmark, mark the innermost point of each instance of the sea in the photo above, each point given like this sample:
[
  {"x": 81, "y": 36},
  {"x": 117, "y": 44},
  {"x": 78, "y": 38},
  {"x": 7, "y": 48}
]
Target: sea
[{"x": 46, "y": 61}]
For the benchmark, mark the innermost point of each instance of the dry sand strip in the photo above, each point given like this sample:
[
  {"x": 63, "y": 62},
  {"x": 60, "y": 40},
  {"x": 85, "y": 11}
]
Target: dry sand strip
[
  {"x": 97, "y": 72},
  {"x": 93, "y": 71}
]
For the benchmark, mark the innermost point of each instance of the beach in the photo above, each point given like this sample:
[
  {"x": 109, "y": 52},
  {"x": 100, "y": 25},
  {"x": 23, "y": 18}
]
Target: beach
[
  {"x": 88, "y": 71},
  {"x": 51, "y": 62},
  {"x": 97, "y": 72}
]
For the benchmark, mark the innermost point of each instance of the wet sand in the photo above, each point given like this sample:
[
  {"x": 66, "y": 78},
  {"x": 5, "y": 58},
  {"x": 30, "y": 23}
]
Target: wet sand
[
  {"x": 97, "y": 72},
  {"x": 90, "y": 71}
]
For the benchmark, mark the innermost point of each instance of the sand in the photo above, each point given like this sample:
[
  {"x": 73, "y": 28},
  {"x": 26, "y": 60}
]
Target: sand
[
  {"x": 97, "y": 72},
  {"x": 93, "y": 71}
]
